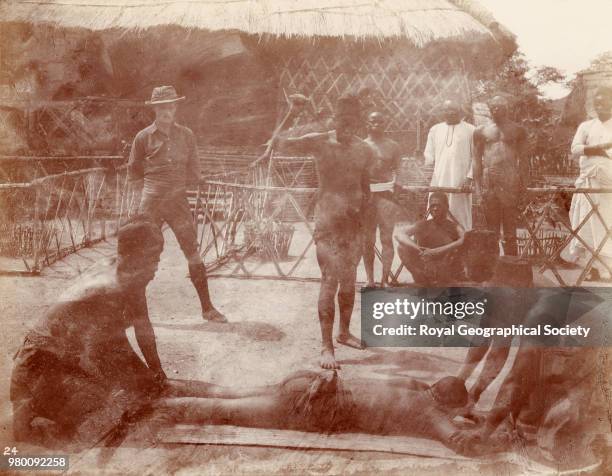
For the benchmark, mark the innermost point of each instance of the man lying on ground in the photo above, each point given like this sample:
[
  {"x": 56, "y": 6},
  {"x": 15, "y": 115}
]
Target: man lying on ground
[
  {"x": 76, "y": 376},
  {"x": 322, "y": 402}
]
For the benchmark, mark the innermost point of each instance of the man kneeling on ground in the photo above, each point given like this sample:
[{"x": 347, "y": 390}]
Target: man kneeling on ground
[
  {"x": 76, "y": 376},
  {"x": 429, "y": 248}
]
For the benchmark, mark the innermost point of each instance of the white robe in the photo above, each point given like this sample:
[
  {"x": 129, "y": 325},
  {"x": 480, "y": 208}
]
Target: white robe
[
  {"x": 450, "y": 149},
  {"x": 595, "y": 172}
]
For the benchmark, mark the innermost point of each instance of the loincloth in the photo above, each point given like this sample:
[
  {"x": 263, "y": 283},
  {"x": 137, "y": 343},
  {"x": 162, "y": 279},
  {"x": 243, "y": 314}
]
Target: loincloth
[
  {"x": 84, "y": 405},
  {"x": 342, "y": 242},
  {"x": 317, "y": 401},
  {"x": 382, "y": 208}
]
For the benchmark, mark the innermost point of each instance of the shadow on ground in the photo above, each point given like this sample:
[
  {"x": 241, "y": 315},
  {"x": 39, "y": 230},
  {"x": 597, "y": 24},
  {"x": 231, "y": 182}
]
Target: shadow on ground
[
  {"x": 257, "y": 331},
  {"x": 399, "y": 362}
]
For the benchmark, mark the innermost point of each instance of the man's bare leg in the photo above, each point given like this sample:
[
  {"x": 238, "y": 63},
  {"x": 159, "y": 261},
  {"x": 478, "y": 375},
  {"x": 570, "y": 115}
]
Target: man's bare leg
[
  {"x": 327, "y": 308},
  {"x": 368, "y": 260},
  {"x": 261, "y": 411},
  {"x": 494, "y": 362},
  {"x": 386, "y": 239},
  {"x": 369, "y": 243},
  {"x": 346, "y": 302},
  {"x": 175, "y": 388},
  {"x": 472, "y": 359}
]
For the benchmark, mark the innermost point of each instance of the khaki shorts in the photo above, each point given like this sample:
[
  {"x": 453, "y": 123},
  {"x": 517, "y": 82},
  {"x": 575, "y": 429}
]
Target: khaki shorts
[{"x": 175, "y": 211}]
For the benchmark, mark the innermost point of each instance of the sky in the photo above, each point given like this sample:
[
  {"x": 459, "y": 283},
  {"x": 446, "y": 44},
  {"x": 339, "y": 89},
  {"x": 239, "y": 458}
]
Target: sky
[{"x": 566, "y": 34}]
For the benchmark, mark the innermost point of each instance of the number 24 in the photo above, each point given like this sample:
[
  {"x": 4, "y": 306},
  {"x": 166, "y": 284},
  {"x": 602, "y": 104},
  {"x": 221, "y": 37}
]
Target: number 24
[{"x": 10, "y": 451}]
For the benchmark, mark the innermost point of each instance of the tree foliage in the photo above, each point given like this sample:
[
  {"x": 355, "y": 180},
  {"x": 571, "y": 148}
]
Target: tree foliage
[
  {"x": 603, "y": 61},
  {"x": 520, "y": 85}
]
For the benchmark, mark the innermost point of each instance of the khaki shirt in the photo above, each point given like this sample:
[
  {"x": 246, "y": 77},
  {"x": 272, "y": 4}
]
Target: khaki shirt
[{"x": 166, "y": 163}]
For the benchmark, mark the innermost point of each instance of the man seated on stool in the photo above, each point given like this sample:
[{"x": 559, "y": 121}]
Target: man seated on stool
[{"x": 429, "y": 248}]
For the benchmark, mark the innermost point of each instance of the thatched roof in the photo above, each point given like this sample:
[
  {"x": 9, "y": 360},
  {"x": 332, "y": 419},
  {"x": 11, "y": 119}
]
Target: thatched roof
[{"x": 420, "y": 21}]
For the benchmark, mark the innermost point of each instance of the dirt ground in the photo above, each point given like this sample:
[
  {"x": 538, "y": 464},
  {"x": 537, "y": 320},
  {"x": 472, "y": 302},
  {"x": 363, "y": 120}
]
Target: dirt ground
[{"x": 273, "y": 331}]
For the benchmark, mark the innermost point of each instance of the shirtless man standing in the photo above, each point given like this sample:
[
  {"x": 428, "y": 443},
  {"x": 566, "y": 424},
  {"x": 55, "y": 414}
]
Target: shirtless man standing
[
  {"x": 341, "y": 160},
  {"x": 502, "y": 171},
  {"x": 381, "y": 211}
]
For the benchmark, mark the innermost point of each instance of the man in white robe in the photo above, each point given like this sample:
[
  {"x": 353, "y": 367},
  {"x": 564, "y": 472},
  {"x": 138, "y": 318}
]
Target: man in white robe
[
  {"x": 450, "y": 150},
  {"x": 593, "y": 143}
]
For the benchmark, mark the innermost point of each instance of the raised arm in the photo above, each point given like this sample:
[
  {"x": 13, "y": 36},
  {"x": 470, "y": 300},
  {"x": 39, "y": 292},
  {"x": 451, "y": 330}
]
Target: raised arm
[
  {"x": 306, "y": 144},
  {"x": 302, "y": 145}
]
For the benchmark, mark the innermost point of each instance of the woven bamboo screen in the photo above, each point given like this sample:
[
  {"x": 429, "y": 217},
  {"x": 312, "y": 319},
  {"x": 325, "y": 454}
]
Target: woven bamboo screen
[{"x": 407, "y": 84}]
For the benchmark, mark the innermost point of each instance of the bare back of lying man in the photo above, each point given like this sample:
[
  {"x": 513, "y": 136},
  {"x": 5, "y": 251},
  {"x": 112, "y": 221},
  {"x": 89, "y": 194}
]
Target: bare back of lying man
[
  {"x": 322, "y": 402},
  {"x": 341, "y": 160},
  {"x": 381, "y": 211}
]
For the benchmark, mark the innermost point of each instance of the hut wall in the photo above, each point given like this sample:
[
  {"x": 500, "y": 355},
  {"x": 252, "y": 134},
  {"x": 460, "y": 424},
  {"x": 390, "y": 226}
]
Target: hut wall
[
  {"x": 56, "y": 93},
  {"x": 404, "y": 82},
  {"x": 235, "y": 104},
  {"x": 43, "y": 63},
  {"x": 48, "y": 72},
  {"x": 236, "y": 84},
  {"x": 230, "y": 93}
]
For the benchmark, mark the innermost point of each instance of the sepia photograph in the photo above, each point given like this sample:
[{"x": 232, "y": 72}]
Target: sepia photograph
[{"x": 289, "y": 237}]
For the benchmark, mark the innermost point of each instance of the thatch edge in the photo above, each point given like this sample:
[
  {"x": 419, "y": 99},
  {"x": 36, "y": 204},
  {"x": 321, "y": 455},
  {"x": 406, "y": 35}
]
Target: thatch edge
[{"x": 463, "y": 20}]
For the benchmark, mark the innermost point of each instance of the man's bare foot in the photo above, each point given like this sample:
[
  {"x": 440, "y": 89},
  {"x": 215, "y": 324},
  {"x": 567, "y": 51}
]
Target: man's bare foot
[
  {"x": 213, "y": 315},
  {"x": 328, "y": 360},
  {"x": 370, "y": 284},
  {"x": 350, "y": 341}
]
